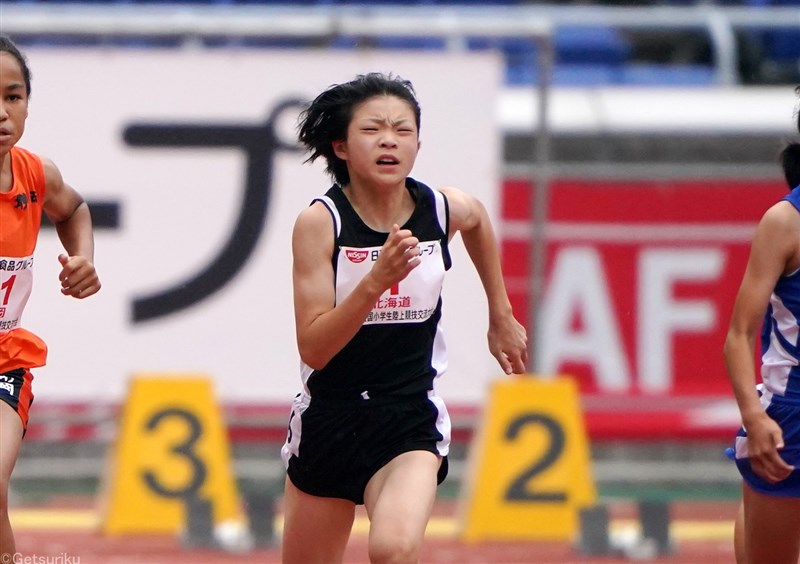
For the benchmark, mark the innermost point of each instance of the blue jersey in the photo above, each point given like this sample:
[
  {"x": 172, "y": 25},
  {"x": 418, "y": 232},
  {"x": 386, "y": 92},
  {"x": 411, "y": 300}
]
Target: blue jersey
[
  {"x": 780, "y": 346},
  {"x": 780, "y": 380}
]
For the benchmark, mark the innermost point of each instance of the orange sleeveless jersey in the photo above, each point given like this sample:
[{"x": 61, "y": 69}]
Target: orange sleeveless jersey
[{"x": 20, "y": 219}]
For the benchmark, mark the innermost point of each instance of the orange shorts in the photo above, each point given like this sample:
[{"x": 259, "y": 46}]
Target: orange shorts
[{"x": 16, "y": 390}]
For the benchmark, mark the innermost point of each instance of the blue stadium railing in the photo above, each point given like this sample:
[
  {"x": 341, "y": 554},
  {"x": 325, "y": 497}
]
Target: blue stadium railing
[{"x": 584, "y": 55}]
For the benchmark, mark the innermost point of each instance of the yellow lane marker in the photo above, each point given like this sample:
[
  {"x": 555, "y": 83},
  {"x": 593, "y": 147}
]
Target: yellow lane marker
[
  {"x": 72, "y": 519},
  {"x": 681, "y": 530}
]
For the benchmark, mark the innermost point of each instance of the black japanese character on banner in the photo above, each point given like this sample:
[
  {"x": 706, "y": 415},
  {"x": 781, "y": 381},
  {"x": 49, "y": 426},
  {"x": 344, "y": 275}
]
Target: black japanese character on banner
[{"x": 260, "y": 144}]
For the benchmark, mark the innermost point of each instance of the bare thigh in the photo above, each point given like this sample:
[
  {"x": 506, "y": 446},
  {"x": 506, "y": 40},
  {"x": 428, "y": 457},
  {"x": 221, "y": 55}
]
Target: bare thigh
[
  {"x": 770, "y": 528},
  {"x": 10, "y": 440},
  {"x": 315, "y": 529},
  {"x": 399, "y": 498}
]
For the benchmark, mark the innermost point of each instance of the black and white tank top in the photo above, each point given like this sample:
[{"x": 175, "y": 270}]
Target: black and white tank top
[{"x": 399, "y": 349}]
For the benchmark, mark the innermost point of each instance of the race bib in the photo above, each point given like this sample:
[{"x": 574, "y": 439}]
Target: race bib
[
  {"x": 16, "y": 284},
  {"x": 412, "y": 300}
]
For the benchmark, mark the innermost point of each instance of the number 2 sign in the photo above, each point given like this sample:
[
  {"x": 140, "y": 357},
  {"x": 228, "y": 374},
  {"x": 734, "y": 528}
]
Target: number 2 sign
[{"x": 529, "y": 468}]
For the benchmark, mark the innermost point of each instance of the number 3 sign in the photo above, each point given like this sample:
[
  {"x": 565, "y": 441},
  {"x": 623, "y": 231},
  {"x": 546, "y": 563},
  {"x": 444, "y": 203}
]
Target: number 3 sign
[
  {"x": 172, "y": 447},
  {"x": 529, "y": 469}
]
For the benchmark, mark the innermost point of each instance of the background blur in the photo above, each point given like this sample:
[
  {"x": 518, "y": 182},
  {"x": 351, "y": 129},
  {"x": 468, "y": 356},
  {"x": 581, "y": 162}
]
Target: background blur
[{"x": 624, "y": 149}]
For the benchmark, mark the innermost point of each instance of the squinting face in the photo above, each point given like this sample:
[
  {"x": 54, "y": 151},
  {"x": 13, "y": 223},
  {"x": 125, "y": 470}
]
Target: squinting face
[
  {"x": 13, "y": 102},
  {"x": 382, "y": 141}
]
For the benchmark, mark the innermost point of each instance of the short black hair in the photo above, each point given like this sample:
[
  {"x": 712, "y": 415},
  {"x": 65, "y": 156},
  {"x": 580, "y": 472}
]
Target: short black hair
[
  {"x": 790, "y": 160},
  {"x": 790, "y": 156},
  {"x": 10, "y": 47},
  {"x": 327, "y": 117}
]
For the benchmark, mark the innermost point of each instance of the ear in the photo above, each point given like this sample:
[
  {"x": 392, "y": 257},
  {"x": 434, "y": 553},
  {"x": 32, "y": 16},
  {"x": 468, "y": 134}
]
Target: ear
[{"x": 340, "y": 149}]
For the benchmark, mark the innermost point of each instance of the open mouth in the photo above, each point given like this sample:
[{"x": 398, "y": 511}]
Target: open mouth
[{"x": 387, "y": 161}]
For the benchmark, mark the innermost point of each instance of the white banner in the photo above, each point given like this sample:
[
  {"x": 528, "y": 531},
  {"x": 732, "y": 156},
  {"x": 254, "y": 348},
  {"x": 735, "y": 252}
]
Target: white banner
[{"x": 168, "y": 137}]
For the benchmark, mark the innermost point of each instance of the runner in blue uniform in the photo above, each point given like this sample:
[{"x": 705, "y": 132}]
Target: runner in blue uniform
[
  {"x": 370, "y": 258},
  {"x": 767, "y": 448}
]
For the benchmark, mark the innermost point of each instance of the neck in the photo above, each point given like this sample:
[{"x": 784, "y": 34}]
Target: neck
[
  {"x": 380, "y": 208},
  {"x": 6, "y": 177}
]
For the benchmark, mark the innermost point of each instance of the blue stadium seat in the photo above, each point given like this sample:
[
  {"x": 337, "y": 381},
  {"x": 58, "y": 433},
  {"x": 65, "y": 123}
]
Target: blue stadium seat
[
  {"x": 585, "y": 74},
  {"x": 257, "y": 42},
  {"x": 583, "y": 56},
  {"x": 780, "y": 47},
  {"x": 478, "y": 2},
  {"x": 377, "y": 3},
  {"x": 410, "y": 42},
  {"x": 568, "y": 75},
  {"x": 590, "y": 44},
  {"x": 519, "y": 55},
  {"x": 389, "y": 42},
  {"x": 782, "y": 44},
  {"x": 666, "y": 75},
  {"x": 346, "y": 42}
]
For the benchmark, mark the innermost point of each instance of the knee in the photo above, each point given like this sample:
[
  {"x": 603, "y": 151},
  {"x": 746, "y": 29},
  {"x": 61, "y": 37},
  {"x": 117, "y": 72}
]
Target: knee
[{"x": 397, "y": 549}]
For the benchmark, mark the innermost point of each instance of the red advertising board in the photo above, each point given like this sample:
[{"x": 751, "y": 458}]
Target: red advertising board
[{"x": 641, "y": 277}]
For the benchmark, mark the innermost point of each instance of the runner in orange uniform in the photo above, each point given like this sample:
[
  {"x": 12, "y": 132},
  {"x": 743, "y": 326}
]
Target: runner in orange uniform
[{"x": 29, "y": 184}]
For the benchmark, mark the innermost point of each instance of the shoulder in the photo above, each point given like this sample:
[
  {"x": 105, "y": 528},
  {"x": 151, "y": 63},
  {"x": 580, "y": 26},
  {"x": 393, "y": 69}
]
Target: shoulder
[
  {"x": 777, "y": 235},
  {"x": 41, "y": 165},
  {"x": 53, "y": 181},
  {"x": 29, "y": 159},
  {"x": 24, "y": 154},
  {"x": 457, "y": 195},
  {"x": 465, "y": 209},
  {"x": 782, "y": 216},
  {"x": 51, "y": 172},
  {"x": 313, "y": 237},
  {"x": 315, "y": 219},
  {"x": 451, "y": 191},
  {"x": 38, "y": 168}
]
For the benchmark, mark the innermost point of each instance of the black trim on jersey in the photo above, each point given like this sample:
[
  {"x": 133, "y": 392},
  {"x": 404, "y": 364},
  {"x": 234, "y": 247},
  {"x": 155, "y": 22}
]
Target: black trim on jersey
[
  {"x": 336, "y": 226},
  {"x": 448, "y": 262}
]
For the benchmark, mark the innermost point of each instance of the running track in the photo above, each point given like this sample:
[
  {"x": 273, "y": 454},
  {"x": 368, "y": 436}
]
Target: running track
[{"x": 65, "y": 532}]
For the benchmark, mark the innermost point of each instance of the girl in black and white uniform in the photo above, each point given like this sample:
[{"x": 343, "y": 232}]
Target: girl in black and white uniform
[{"x": 369, "y": 263}]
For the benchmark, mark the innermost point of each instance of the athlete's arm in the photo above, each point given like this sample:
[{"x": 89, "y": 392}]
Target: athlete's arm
[
  {"x": 323, "y": 326},
  {"x": 72, "y": 219},
  {"x": 774, "y": 249},
  {"x": 507, "y": 337}
]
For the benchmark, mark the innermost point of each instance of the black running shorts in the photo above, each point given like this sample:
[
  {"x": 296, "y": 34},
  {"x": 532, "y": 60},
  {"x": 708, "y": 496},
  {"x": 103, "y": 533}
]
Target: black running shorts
[{"x": 334, "y": 448}]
